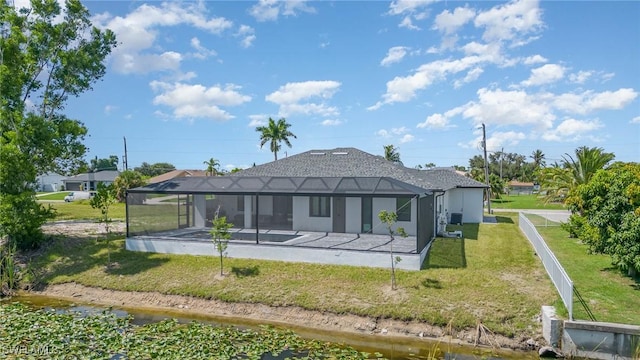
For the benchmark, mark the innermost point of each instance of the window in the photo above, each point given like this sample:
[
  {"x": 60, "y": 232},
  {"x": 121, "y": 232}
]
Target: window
[
  {"x": 319, "y": 206},
  {"x": 403, "y": 208}
]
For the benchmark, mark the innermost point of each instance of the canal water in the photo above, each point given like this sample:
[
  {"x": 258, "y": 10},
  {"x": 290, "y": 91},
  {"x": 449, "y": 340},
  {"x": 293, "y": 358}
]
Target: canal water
[{"x": 393, "y": 348}]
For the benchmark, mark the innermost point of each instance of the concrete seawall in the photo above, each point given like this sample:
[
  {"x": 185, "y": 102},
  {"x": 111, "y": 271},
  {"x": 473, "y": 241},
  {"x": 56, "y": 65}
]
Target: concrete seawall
[{"x": 592, "y": 340}]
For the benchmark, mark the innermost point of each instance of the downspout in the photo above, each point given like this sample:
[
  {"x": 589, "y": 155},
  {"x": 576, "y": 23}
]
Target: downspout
[{"x": 435, "y": 214}]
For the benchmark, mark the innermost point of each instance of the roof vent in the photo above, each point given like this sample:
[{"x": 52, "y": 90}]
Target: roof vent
[
  {"x": 340, "y": 153},
  {"x": 318, "y": 153}
]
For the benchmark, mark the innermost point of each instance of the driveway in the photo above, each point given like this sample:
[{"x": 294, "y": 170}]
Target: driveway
[{"x": 561, "y": 216}]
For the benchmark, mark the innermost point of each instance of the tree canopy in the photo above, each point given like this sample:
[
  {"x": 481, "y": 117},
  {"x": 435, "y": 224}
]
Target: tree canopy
[
  {"x": 110, "y": 163},
  {"x": 391, "y": 154},
  {"x": 275, "y": 133},
  {"x": 151, "y": 170},
  {"x": 606, "y": 214},
  {"x": 47, "y": 54}
]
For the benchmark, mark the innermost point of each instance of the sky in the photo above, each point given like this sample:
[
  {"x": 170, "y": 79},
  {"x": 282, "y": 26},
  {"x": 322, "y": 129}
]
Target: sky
[{"x": 190, "y": 81}]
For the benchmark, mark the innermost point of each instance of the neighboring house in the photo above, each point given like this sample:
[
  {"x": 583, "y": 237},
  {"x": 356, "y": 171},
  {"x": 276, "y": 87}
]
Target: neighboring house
[
  {"x": 176, "y": 174},
  {"x": 49, "y": 182},
  {"x": 339, "y": 191},
  {"x": 89, "y": 181},
  {"x": 518, "y": 188}
]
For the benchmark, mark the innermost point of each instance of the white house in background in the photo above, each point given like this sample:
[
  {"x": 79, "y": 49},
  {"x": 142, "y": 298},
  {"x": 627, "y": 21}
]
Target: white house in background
[
  {"x": 89, "y": 181},
  {"x": 49, "y": 182},
  {"x": 333, "y": 192}
]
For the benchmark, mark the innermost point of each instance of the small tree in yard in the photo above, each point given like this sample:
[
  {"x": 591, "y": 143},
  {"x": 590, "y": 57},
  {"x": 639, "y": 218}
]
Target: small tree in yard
[
  {"x": 389, "y": 218},
  {"x": 220, "y": 235},
  {"x": 103, "y": 199}
]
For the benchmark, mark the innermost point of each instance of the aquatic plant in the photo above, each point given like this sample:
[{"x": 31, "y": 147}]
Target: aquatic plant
[{"x": 47, "y": 334}]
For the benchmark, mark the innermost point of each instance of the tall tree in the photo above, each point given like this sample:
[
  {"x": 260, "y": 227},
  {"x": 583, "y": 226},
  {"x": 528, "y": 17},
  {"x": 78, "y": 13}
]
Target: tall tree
[
  {"x": 538, "y": 158},
  {"x": 110, "y": 163},
  {"x": 558, "y": 182},
  {"x": 151, "y": 170},
  {"x": 46, "y": 55},
  {"x": 275, "y": 133},
  {"x": 606, "y": 214},
  {"x": 391, "y": 154},
  {"x": 127, "y": 179},
  {"x": 212, "y": 167}
]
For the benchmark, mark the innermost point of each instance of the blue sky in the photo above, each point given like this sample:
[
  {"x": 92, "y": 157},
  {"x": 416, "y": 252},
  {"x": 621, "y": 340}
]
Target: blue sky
[{"x": 191, "y": 80}]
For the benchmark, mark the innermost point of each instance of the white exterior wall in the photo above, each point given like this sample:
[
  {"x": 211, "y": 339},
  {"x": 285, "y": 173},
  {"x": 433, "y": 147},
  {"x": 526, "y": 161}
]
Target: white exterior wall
[
  {"x": 389, "y": 204},
  {"x": 467, "y": 201},
  {"x": 353, "y": 215},
  {"x": 302, "y": 220}
]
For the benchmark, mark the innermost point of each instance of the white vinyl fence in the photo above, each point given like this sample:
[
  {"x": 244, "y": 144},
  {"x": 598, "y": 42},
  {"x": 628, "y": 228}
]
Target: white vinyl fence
[{"x": 556, "y": 272}]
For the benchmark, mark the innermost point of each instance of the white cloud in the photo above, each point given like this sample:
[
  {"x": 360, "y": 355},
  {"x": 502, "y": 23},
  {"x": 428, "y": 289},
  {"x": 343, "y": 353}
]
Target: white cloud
[
  {"x": 270, "y": 10},
  {"x": 571, "y": 130},
  {"x": 535, "y": 59},
  {"x": 546, "y": 74},
  {"x": 588, "y": 101},
  {"x": 498, "y": 140},
  {"x": 449, "y": 22},
  {"x": 247, "y": 33},
  {"x": 108, "y": 109},
  {"x": 472, "y": 75},
  {"x": 383, "y": 133},
  {"x": 394, "y": 55},
  {"x": 258, "y": 120},
  {"x": 410, "y": 10},
  {"x": 580, "y": 77},
  {"x": 510, "y": 22},
  {"x": 329, "y": 122},
  {"x": 406, "y": 138},
  {"x": 435, "y": 121},
  {"x": 292, "y": 97},
  {"x": 403, "y": 89},
  {"x": 635, "y": 120},
  {"x": 201, "y": 52},
  {"x": 399, "y": 131},
  {"x": 198, "y": 101},
  {"x": 509, "y": 108},
  {"x": 137, "y": 50}
]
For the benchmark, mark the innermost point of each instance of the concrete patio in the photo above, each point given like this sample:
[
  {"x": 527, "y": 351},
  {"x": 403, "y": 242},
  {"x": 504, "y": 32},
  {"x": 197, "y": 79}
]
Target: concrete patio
[{"x": 301, "y": 246}]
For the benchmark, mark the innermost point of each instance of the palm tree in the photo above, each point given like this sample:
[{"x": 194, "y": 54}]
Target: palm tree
[
  {"x": 560, "y": 180},
  {"x": 212, "y": 167},
  {"x": 391, "y": 154},
  {"x": 275, "y": 133},
  {"x": 538, "y": 158}
]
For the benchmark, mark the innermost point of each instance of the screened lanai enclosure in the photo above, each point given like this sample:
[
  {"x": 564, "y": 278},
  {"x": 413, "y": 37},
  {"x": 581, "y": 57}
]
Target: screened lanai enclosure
[{"x": 281, "y": 215}]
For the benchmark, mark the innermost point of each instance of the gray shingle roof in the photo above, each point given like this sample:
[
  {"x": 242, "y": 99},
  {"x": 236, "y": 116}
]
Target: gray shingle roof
[
  {"x": 351, "y": 162},
  {"x": 105, "y": 175}
]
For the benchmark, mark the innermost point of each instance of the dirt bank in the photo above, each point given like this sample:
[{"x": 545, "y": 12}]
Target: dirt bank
[
  {"x": 260, "y": 313},
  {"x": 281, "y": 316}
]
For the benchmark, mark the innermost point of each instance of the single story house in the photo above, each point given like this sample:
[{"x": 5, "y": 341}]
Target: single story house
[
  {"x": 49, "y": 182},
  {"x": 517, "y": 187},
  {"x": 176, "y": 174},
  {"x": 89, "y": 181},
  {"x": 336, "y": 193}
]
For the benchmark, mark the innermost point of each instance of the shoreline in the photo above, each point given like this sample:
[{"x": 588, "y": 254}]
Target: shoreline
[{"x": 310, "y": 321}]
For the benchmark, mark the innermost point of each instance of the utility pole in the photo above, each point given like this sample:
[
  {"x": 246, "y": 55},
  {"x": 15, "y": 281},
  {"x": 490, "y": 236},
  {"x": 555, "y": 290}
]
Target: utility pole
[
  {"x": 124, "y": 158},
  {"x": 501, "y": 156},
  {"x": 486, "y": 168}
]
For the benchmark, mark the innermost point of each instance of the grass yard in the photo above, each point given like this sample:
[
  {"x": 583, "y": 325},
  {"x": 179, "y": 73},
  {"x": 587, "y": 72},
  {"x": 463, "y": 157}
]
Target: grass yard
[
  {"x": 491, "y": 276},
  {"x": 611, "y": 296},
  {"x": 532, "y": 201},
  {"x": 81, "y": 210}
]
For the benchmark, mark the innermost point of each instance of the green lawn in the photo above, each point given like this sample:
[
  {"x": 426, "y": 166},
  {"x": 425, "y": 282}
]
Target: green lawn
[
  {"x": 611, "y": 296},
  {"x": 532, "y": 201},
  {"x": 492, "y": 276},
  {"x": 81, "y": 210}
]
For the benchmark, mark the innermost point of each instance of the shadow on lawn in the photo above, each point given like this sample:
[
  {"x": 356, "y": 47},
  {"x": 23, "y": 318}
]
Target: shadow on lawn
[
  {"x": 245, "y": 271},
  {"x": 446, "y": 253},
  {"x": 71, "y": 255},
  {"x": 624, "y": 274}
]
